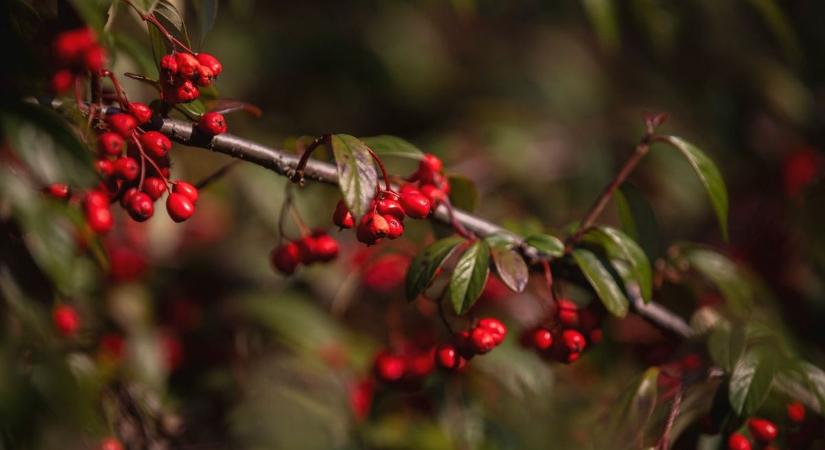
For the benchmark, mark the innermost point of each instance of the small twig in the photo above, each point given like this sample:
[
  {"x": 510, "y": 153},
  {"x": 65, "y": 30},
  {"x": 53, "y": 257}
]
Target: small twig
[
  {"x": 298, "y": 175},
  {"x": 675, "y": 409},
  {"x": 218, "y": 174}
]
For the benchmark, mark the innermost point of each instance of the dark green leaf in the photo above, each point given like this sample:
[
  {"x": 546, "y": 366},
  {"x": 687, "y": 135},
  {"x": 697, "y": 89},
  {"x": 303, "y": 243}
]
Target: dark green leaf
[
  {"x": 710, "y": 177},
  {"x": 93, "y": 12},
  {"x": 159, "y": 45},
  {"x": 511, "y": 267},
  {"x": 470, "y": 276},
  {"x": 193, "y": 110},
  {"x": 138, "y": 52},
  {"x": 386, "y": 145},
  {"x": 750, "y": 381},
  {"x": 549, "y": 245},
  {"x": 725, "y": 346},
  {"x": 207, "y": 11},
  {"x": 602, "y": 281},
  {"x": 463, "y": 193},
  {"x": 423, "y": 267},
  {"x": 166, "y": 11},
  {"x": 357, "y": 176},
  {"x": 618, "y": 245},
  {"x": 732, "y": 283},
  {"x": 814, "y": 378},
  {"x": 638, "y": 219}
]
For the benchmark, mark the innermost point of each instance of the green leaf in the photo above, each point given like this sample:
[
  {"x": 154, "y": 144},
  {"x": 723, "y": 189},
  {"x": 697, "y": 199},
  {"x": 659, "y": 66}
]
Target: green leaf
[
  {"x": 166, "y": 11},
  {"x": 386, "y": 145},
  {"x": 618, "y": 245},
  {"x": 357, "y": 176},
  {"x": 207, "y": 12},
  {"x": 724, "y": 273},
  {"x": 93, "y": 12},
  {"x": 138, "y": 52},
  {"x": 725, "y": 346},
  {"x": 549, "y": 245},
  {"x": 710, "y": 177},
  {"x": 511, "y": 267},
  {"x": 638, "y": 219},
  {"x": 425, "y": 264},
  {"x": 602, "y": 281},
  {"x": 463, "y": 193},
  {"x": 193, "y": 110},
  {"x": 634, "y": 409},
  {"x": 470, "y": 276},
  {"x": 159, "y": 45},
  {"x": 814, "y": 378},
  {"x": 750, "y": 381}
]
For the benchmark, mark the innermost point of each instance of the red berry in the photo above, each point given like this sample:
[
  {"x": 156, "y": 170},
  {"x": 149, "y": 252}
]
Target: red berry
[
  {"x": 66, "y": 320},
  {"x": 372, "y": 228},
  {"x": 435, "y": 195},
  {"x": 110, "y": 143},
  {"x": 156, "y": 144},
  {"x": 179, "y": 207},
  {"x": 212, "y": 123},
  {"x": 567, "y": 313},
  {"x": 796, "y": 412},
  {"x": 169, "y": 64},
  {"x": 205, "y": 59},
  {"x": 205, "y": 76},
  {"x": 326, "y": 247},
  {"x": 141, "y": 112},
  {"x": 464, "y": 344},
  {"x": 762, "y": 430},
  {"x": 342, "y": 217},
  {"x": 127, "y": 197},
  {"x": 182, "y": 92},
  {"x": 495, "y": 327},
  {"x": 447, "y": 357},
  {"x": 187, "y": 65},
  {"x": 415, "y": 204},
  {"x": 99, "y": 218},
  {"x": 105, "y": 167},
  {"x": 573, "y": 341},
  {"x": 541, "y": 339},
  {"x": 691, "y": 362},
  {"x": 127, "y": 168},
  {"x": 59, "y": 191},
  {"x": 306, "y": 248},
  {"x": 62, "y": 81},
  {"x": 121, "y": 123},
  {"x": 407, "y": 187},
  {"x": 395, "y": 227},
  {"x": 388, "y": 367},
  {"x": 482, "y": 339},
  {"x": 110, "y": 443},
  {"x": 596, "y": 335},
  {"x": 390, "y": 207},
  {"x": 154, "y": 187},
  {"x": 285, "y": 258},
  {"x": 430, "y": 163},
  {"x": 96, "y": 199},
  {"x": 70, "y": 45},
  {"x": 95, "y": 59},
  {"x": 737, "y": 441},
  {"x": 140, "y": 207},
  {"x": 187, "y": 190}
]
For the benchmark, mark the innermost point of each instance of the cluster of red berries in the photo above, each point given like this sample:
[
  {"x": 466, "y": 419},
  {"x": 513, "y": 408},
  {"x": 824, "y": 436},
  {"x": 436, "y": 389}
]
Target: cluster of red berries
[
  {"x": 406, "y": 368},
  {"x": 75, "y": 52},
  {"x": 488, "y": 334},
  {"x": 764, "y": 432},
  {"x": 182, "y": 73},
  {"x": 315, "y": 247},
  {"x": 385, "y": 218},
  {"x": 574, "y": 331}
]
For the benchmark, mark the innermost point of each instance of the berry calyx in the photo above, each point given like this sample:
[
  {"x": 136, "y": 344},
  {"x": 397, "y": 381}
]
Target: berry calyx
[
  {"x": 285, "y": 258},
  {"x": 762, "y": 430},
  {"x": 154, "y": 187},
  {"x": 737, "y": 441},
  {"x": 121, "y": 123},
  {"x": 179, "y": 207},
  {"x": 66, "y": 320},
  {"x": 110, "y": 143},
  {"x": 156, "y": 144},
  {"x": 415, "y": 204},
  {"x": 573, "y": 341},
  {"x": 796, "y": 412},
  {"x": 141, "y": 112},
  {"x": 342, "y": 218},
  {"x": 388, "y": 367},
  {"x": 205, "y": 59},
  {"x": 212, "y": 123},
  {"x": 187, "y": 190},
  {"x": 140, "y": 206}
]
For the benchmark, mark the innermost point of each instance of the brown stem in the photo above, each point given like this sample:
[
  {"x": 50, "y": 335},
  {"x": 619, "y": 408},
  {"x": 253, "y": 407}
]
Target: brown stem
[
  {"x": 675, "y": 408},
  {"x": 218, "y": 174},
  {"x": 387, "y": 185},
  {"x": 298, "y": 175}
]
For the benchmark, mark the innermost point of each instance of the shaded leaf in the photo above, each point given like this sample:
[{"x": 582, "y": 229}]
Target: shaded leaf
[
  {"x": 511, "y": 267},
  {"x": 166, "y": 11},
  {"x": 602, "y": 281},
  {"x": 159, "y": 45},
  {"x": 724, "y": 273},
  {"x": 634, "y": 409},
  {"x": 463, "y": 193},
  {"x": 638, "y": 219},
  {"x": 545, "y": 243},
  {"x": 207, "y": 12},
  {"x": 227, "y": 106},
  {"x": 618, "y": 245},
  {"x": 387, "y": 145},
  {"x": 750, "y": 381},
  {"x": 193, "y": 110},
  {"x": 93, "y": 12},
  {"x": 425, "y": 264},
  {"x": 357, "y": 176},
  {"x": 469, "y": 276},
  {"x": 725, "y": 346},
  {"x": 710, "y": 177}
]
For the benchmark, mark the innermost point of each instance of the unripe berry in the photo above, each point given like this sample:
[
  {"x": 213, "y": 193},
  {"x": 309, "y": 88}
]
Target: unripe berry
[
  {"x": 99, "y": 218},
  {"x": 111, "y": 143},
  {"x": 796, "y": 412},
  {"x": 60, "y": 191},
  {"x": 127, "y": 168},
  {"x": 415, "y": 204},
  {"x": 141, "y": 112},
  {"x": 121, "y": 123},
  {"x": 737, "y": 441},
  {"x": 187, "y": 64},
  {"x": 573, "y": 341},
  {"x": 395, "y": 227},
  {"x": 179, "y": 207},
  {"x": 390, "y": 207},
  {"x": 140, "y": 207},
  {"x": 62, "y": 81},
  {"x": 212, "y": 123},
  {"x": 762, "y": 430},
  {"x": 495, "y": 327},
  {"x": 156, "y": 144},
  {"x": 482, "y": 339},
  {"x": 65, "y": 320},
  {"x": 187, "y": 190},
  {"x": 342, "y": 217},
  {"x": 388, "y": 367},
  {"x": 95, "y": 59},
  {"x": 105, "y": 167},
  {"x": 205, "y": 59},
  {"x": 154, "y": 187},
  {"x": 110, "y": 443},
  {"x": 326, "y": 247},
  {"x": 567, "y": 313},
  {"x": 285, "y": 258},
  {"x": 430, "y": 163},
  {"x": 541, "y": 339},
  {"x": 169, "y": 64},
  {"x": 447, "y": 357}
]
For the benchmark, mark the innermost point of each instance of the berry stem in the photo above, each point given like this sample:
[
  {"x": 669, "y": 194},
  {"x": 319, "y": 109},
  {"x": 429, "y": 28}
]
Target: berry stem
[
  {"x": 119, "y": 92},
  {"x": 457, "y": 226},
  {"x": 675, "y": 408},
  {"x": 143, "y": 157},
  {"x": 298, "y": 175},
  {"x": 387, "y": 185},
  {"x": 216, "y": 175}
]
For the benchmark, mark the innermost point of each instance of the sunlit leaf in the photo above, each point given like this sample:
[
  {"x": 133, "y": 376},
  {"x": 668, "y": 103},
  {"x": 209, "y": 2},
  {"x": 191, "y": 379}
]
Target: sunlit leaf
[
  {"x": 423, "y": 267},
  {"x": 469, "y": 276},
  {"x": 638, "y": 219},
  {"x": 602, "y": 281},
  {"x": 463, "y": 193},
  {"x": 545, "y": 243},
  {"x": 618, "y": 245},
  {"x": 357, "y": 176},
  {"x": 386, "y": 145}
]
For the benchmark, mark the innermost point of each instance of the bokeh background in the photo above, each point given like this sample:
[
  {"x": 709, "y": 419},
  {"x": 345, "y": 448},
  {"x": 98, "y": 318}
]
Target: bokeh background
[{"x": 536, "y": 102}]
